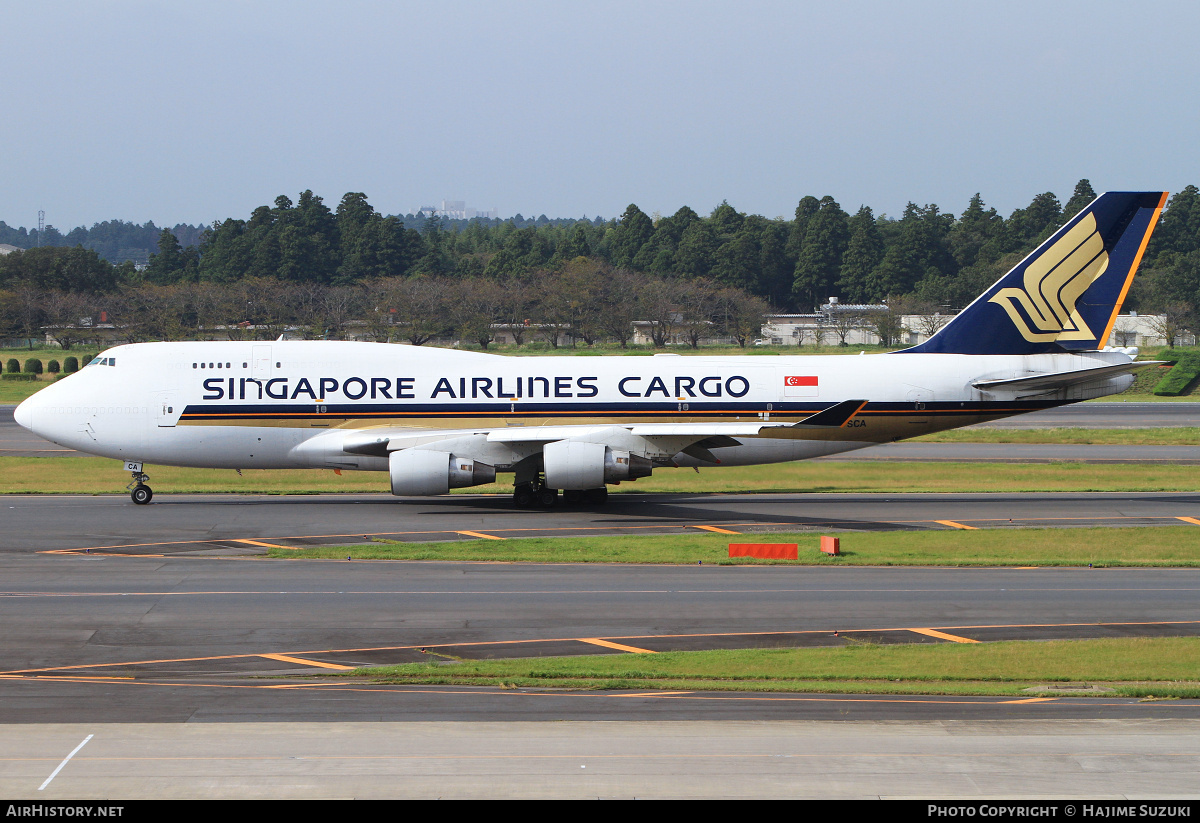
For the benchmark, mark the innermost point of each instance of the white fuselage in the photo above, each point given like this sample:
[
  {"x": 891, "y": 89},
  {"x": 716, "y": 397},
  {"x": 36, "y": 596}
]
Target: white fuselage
[{"x": 300, "y": 404}]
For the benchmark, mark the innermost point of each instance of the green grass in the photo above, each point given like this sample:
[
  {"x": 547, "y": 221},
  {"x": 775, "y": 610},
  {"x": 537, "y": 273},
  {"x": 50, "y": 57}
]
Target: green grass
[
  {"x": 1177, "y": 546},
  {"x": 48, "y": 354},
  {"x": 97, "y": 475},
  {"x": 13, "y": 392},
  {"x": 1162, "y": 667},
  {"x": 1182, "y": 377},
  {"x": 1178, "y": 436}
]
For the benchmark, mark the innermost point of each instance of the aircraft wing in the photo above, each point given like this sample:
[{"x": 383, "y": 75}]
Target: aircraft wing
[
  {"x": 381, "y": 441},
  {"x": 1060, "y": 380}
]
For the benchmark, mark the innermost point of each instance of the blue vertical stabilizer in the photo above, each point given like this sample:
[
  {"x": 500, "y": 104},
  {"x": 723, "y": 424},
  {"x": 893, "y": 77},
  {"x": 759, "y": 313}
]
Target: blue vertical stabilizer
[{"x": 1066, "y": 294}]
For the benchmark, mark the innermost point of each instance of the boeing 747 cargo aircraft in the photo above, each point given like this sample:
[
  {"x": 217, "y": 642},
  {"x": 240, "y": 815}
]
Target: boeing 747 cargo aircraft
[{"x": 437, "y": 419}]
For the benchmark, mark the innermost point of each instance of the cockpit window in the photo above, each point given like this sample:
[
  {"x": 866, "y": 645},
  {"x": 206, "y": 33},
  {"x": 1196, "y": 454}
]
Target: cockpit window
[{"x": 103, "y": 361}]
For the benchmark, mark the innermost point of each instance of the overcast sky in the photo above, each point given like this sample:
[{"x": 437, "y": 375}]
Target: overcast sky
[{"x": 196, "y": 111}]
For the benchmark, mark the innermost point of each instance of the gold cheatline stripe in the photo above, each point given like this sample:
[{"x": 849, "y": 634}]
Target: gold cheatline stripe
[
  {"x": 596, "y": 641},
  {"x": 716, "y": 529},
  {"x": 956, "y": 525},
  {"x": 481, "y": 534},
  {"x": 285, "y": 659},
  {"x": 952, "y": 637}
]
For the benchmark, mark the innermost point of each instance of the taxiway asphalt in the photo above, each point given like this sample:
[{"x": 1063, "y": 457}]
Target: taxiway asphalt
[
  {"x": 125, "y": 639},
  {"x": 227, "y": 524},
  {"x": 208, "y": 677},
  {"x": 195, "y": 665}
]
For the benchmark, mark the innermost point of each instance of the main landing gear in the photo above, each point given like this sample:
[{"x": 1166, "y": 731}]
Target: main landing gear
[
  {"x": 138, "y": 490},
  {"x": 536, "y": 495}
]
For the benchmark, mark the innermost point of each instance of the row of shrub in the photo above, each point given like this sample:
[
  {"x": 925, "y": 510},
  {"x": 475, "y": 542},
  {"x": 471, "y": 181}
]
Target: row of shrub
[
  {"x": 1181, "y": 375},
  {"x": 34, "y": 366}
]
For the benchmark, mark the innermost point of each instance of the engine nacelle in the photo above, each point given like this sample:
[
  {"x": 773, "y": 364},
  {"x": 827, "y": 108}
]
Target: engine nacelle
[
  {"x": 424, "y": 472},
  {"x": 572, "y": 464}
]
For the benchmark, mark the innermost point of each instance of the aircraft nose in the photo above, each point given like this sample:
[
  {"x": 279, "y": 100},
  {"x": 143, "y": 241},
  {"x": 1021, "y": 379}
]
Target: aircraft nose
[{"x": 24, "y": 414}]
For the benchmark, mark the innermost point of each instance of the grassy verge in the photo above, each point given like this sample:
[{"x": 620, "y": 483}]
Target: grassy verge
[
  {"x": 1134, "y": 396},
  {"x": 1159, "y": 667},
  {"x": 1178, "y": 436},
  {"x": 13, "y": 392},
  {"x": 97, "y": 475},
  {"x": 1099, "y": 547}
]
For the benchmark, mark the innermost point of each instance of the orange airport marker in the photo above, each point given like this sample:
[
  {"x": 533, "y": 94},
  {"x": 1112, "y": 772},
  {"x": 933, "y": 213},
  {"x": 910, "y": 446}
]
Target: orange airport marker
[{"x": 773, "y": 551}]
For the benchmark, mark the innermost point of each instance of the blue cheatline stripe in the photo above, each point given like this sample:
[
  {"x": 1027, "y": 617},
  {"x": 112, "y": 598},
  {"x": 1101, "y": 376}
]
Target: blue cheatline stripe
[{"x": 347, "y": 411}]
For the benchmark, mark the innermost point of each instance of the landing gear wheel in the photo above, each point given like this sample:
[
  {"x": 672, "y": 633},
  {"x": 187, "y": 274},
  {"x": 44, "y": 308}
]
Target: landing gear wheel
[
  {"x": 523, "y": 496},
  {"x": 596, "y": 497},
  {"x": 572, "y": 496},
  {"x": 547, "y": 498},
  {"x": 138, "y": 490}
]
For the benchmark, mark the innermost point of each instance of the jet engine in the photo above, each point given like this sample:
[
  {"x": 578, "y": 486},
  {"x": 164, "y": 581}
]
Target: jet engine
[
  {"x": 424, "y": 472},
  {"x": 572, "y": 464}
]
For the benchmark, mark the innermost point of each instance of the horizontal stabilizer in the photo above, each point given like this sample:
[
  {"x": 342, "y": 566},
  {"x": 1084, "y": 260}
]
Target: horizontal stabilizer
[{"x": 1060, "y": 380}]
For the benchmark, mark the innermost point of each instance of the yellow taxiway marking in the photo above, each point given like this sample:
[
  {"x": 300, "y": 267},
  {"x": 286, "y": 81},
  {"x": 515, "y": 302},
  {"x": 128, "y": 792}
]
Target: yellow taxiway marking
[
  {"x": 284, "y": 658},
  {"x": 716, "y": 529},
  {"x": 108, "y": 550},
  {"x": 955, "y": 525},
  {"x": 481, "y": 534},
  {"x": 69, "y": 678},
  {"x": 952, "y": 637},
  {"x": 1032, "y": 700},
  {"x": 650, "y": 694},
  {"x": 528, "y": 641},
  {"x": 268, "y": 545},
  {"x": 596, "y": 641}
]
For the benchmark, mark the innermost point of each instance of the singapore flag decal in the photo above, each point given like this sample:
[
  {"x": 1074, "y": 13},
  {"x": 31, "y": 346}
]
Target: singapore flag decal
[{"x": 795, "y": 385}]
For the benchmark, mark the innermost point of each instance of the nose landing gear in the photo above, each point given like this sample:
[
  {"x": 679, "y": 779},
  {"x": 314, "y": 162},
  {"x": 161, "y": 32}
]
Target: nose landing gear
[{"x": 138, "y": 490}]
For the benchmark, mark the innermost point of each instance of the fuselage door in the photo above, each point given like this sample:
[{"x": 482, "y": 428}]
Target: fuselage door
[
  {"x": 919, "y": 397},
  {"x": 260, "y": 364},
  {"x": 167, "y": 409}
]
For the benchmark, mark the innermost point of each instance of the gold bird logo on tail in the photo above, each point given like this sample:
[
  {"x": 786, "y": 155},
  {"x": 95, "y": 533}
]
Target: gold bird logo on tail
[{"x": 1045, "y": 309}]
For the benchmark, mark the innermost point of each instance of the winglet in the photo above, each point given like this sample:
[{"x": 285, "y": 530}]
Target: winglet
[{"x": 833, "y": 417}]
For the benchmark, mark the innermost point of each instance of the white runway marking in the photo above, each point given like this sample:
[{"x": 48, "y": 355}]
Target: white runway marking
[{"x": 66, "y": 760}]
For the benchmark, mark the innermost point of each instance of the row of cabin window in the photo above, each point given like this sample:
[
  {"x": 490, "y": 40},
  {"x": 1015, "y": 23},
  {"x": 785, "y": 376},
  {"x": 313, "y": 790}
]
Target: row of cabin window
[{"x": 194, "y": 365}]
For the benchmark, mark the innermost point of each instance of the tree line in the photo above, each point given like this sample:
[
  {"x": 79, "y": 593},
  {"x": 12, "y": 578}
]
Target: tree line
[
  {"x": 584, "y": 301},
  {"x": 924, "y": 256},
  {"x": 117, "y": 241}
]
